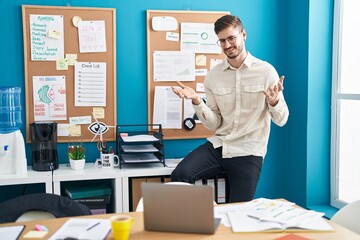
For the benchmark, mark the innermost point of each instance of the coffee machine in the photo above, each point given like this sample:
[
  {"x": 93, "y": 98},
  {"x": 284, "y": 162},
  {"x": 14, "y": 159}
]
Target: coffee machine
[{"x": 44, "y": 146}]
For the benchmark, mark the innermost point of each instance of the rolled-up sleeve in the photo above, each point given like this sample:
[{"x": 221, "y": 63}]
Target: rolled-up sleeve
[
  {"x": 208, "y": 118},
  {"x": 280, "y": 112}
]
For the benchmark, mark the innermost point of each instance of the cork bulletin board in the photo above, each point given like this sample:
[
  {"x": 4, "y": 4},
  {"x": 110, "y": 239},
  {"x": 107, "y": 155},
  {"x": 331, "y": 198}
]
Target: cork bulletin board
[
  {"x": 157, "y": 41},
  {"x": 106, "y": 58}
]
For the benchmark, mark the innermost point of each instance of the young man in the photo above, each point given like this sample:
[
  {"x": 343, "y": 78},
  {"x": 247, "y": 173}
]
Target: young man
[{"x": 243, "y": 95}]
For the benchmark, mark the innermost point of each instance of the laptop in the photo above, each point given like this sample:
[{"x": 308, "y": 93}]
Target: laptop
[{"x": 179, "y": 208}]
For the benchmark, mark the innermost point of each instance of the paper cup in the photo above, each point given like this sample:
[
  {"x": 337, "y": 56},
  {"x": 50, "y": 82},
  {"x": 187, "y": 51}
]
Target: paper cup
[{"x": 120, "y": 226}]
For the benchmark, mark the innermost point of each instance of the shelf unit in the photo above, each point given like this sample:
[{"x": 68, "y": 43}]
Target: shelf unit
[{"x": 140, "y": 143}]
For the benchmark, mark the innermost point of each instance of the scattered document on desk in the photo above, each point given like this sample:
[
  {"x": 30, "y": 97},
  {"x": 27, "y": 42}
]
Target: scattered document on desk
[
  {"x": 140, "y": 138},
  {"x": 83, "y": 228},
  {"x": 138, "y": 158},
  {"x": 11, "y": 232},
  {"x": 139, "y": 148},
  {"x": 221, "y": 211},
  {"x": 261, "y": 215}
]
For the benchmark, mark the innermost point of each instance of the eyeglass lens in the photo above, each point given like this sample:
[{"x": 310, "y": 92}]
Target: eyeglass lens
[{"x": 230, "y": 39}]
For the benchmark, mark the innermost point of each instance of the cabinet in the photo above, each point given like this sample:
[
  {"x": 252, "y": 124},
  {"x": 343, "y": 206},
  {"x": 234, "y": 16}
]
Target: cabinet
[
  {"x": 141, "y": 143},
  {"x": 89, "y": 175}
]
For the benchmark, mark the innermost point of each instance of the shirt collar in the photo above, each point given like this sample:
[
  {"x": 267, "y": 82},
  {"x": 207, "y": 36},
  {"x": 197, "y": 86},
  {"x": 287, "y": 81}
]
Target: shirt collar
[{"x": 247, "y": 62}]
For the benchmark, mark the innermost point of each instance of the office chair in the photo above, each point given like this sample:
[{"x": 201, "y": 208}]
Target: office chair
[
  {"x": 348, "y": 216},
  {"x": 140, "y": 205},
  {"x": 40, "y": 206}
]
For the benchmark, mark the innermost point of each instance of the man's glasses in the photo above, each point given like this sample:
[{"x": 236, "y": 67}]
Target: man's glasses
[{"x": 231, "y": 40}]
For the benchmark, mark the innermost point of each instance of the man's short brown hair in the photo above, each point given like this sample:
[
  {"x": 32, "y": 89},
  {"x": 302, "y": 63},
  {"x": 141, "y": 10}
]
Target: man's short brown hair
[{"x": 227, "y": 21}]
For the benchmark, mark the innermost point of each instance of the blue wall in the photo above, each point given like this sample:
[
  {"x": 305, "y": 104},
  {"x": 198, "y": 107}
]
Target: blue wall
[{"x": 279, "y": 31}]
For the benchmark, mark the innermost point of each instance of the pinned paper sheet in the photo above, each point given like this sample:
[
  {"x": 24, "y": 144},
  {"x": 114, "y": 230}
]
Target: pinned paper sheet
[
  {"x": 200, "y": 72},
  {"x": 80, "y": 120},
  {"x": 200, "y": 60},
  {"x": 63, "y": 129},
  {"x": 172, "y": 36},
  {"x": 71, "y": 59},
  {"x": 92, "y": 36},
  {"x": 61, "y": 64},
  {"x": 164, "y": 23},
  {"x": 200, "y": 87},
  {"x": 214, "y": 62}
]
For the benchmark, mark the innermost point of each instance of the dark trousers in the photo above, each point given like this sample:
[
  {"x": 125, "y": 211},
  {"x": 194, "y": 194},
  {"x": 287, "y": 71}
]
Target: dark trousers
[{"x": 205, "y": 162}]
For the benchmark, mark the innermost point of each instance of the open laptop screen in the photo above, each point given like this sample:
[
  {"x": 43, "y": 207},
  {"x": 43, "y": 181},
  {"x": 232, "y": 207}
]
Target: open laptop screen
[{"x": 178, "y": 208}]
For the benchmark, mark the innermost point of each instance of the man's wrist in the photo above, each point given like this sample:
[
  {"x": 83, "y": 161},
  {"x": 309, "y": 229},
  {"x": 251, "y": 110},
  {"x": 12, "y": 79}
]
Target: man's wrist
[{"x": 196, "y": 101}]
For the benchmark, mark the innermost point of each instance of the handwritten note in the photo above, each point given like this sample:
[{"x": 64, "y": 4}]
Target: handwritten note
[
  {"x": 49, "y": 98},
  {"x": 92, "y": 36},
  {"x": 45, "y": 47}
]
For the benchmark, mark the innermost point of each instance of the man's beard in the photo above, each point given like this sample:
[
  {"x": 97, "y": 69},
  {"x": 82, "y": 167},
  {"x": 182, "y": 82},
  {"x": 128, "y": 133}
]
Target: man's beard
[{"x": 235, "y": 52}]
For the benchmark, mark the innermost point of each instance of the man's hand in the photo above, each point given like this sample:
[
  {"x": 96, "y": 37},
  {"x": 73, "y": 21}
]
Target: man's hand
[
  {"x": 272, "y": 94},
  {"x": 187, "y": 93}
]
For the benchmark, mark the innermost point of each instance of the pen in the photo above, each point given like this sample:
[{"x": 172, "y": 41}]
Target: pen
[{"x": 92, "y": 226}]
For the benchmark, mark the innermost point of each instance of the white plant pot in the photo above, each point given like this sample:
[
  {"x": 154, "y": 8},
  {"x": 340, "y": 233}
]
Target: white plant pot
[{"x": 77, "y": 164}]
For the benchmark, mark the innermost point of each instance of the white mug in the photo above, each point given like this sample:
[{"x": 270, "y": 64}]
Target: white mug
[{"x": 107, "y": 160}]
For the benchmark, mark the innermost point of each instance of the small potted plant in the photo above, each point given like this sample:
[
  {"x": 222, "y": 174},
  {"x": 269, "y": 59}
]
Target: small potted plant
[{"x": 76, "y": 155}]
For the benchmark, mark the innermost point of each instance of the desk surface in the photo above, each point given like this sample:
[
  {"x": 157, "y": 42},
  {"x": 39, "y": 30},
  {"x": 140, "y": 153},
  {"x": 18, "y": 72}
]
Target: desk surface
[{"x": 138, "y": 232}]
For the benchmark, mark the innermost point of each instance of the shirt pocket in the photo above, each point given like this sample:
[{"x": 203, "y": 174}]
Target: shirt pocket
[
  {"x": 252, "y": 96},
  {"x": 224, "y": 98}
]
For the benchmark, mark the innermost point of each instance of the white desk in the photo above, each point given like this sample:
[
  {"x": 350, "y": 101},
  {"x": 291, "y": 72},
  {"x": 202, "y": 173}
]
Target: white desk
[
  {"x": 118, "y": 177},
  {"x": 32, "y": 177},
  {"x": 91, "y": 172}
]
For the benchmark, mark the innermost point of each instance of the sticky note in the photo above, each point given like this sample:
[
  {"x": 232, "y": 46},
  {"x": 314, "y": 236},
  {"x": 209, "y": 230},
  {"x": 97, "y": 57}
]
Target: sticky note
[
  {"x": 61, "y": 64},
  {"x": 41, "y": 228},
  {"x": 54, "y": 34},
  {"x": 35, "y": 234},
  {"x": 71, "y": 59},
  {"x": 75, "y": 130},
  {"x": 200, "y": 60},
  {"x": 99, "y": 112}
]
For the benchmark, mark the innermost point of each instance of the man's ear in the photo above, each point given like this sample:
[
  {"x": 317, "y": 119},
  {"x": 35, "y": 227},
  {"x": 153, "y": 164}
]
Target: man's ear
[{"x": 244, "y": 34}]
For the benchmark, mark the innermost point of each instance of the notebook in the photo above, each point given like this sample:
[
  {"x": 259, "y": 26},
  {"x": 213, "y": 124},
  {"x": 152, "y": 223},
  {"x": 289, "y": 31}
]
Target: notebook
[{"x": 179, "y": 208}]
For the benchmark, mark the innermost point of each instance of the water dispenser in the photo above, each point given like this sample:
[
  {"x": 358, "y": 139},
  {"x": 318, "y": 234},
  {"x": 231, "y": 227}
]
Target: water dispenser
[{"x": 12, "y": 146}]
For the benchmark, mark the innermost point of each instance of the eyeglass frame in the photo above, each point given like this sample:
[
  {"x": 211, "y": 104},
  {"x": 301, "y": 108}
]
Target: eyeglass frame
[{"x": 231, "y": 39}]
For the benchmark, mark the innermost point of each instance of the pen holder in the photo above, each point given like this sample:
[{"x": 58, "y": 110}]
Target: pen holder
[{"x": 107, "y": 160}]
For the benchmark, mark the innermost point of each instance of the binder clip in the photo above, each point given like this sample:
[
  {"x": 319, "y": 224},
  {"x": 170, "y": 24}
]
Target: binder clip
[{"x": 189, "y": 124}]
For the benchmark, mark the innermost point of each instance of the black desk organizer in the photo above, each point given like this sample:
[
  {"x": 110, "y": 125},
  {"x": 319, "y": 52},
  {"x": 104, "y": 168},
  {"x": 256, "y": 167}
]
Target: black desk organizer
[{"x": 140, "y": 143}]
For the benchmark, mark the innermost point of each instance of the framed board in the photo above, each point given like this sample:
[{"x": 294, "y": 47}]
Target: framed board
[
  {"x": 44, "y": 26},
  {"x": 159, "y": 40}
]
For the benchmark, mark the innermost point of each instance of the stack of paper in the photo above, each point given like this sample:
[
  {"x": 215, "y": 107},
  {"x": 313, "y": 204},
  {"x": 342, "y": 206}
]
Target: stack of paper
[
  {"x": 140, "y": 157},
  {"x": 83, "y": 228},
  {"x": 140, "y": 138},
  {"x": 272, "y": 215},
  {"x": 139, "y": 148}
]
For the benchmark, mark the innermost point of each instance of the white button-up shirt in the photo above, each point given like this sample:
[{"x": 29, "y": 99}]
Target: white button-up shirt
[{"x": 236, "y": 108}]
